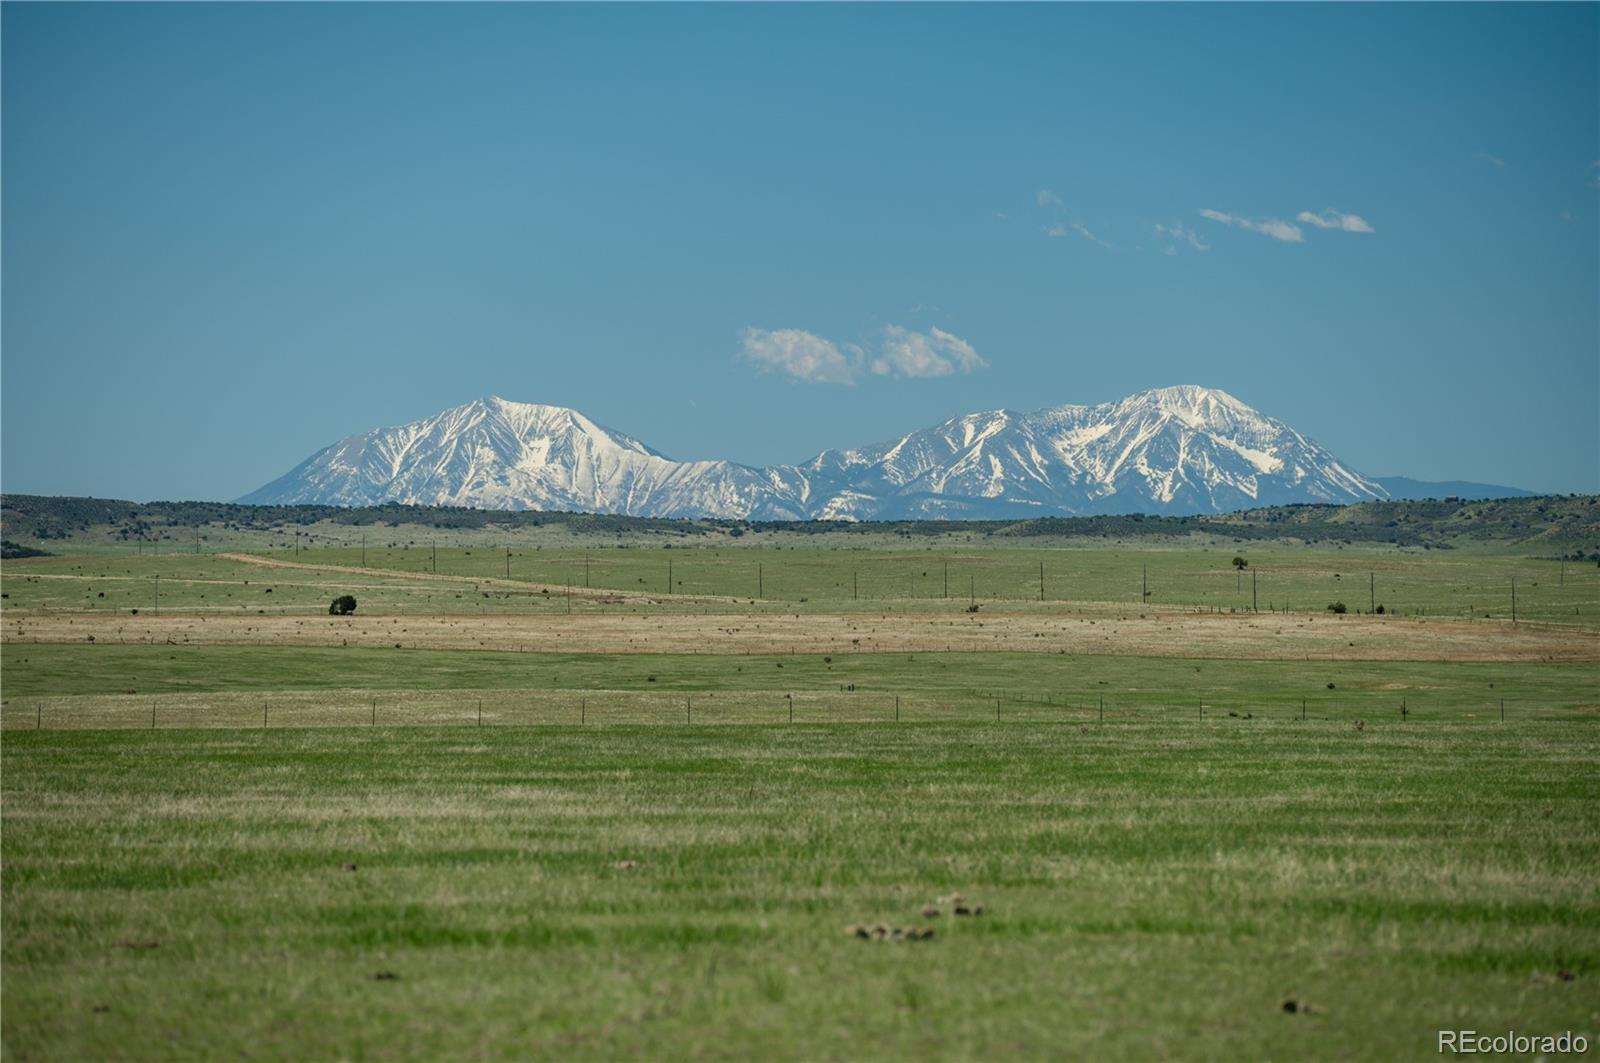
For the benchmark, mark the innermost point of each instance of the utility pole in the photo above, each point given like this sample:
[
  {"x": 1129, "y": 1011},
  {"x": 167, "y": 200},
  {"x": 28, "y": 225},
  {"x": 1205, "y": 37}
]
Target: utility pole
[
  {"x": 363, "y": 549},
  {"x": 669, "y": 575},
  {"x": 1041, "y": 581},
  {"x": 1513, "y": 599},
  {"x": 947, "y": 579},
  {"x": 158, "y": 595},
  {"x": 972, "y": 593},
  {"x": 1144, "y": 583},
  {"x": 1372, "y": 593},
  {"x": 297, "y": 542},
  {"x": 586, "y": 568},
  {"x": 760, "y": 592},
  {"x": 434, "y": 562},
  {"x": 508, "y": 561},
  {"x": 1253, "y": 607},
  {"x": 855, "y": 585},
  {"x": 197, "y": 538}
]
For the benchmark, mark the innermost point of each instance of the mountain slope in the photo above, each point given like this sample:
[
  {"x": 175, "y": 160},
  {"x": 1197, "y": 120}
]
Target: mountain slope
[{"x": 1172, "y": 450}]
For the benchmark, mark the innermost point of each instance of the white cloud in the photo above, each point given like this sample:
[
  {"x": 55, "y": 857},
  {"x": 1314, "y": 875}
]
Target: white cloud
[
  {"x": 1056, "y": 230},
  {"x": 1493, "y": 160},
  {"x": 799, "y": 355},
  {"x": 1276, "y": 228},
  {"x": 1046, "y": 198},
  {"x": 1087, "y": 235},
  {"x": 1182, "y": 234},
  {"x": 903, "y": 354},
  {"x": 1333, "y": 219},
  {"x": 930, "y": 354}
]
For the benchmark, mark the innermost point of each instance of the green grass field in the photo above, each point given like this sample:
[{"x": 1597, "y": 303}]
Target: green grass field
[
  {"x": 1278, "y": 577},
  {"x": 619, "y": 891},
  {"x": 658, "y": 854}
]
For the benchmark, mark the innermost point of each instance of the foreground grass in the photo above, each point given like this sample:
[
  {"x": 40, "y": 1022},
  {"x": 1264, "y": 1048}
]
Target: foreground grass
[{"x": 1149, "y": 891}]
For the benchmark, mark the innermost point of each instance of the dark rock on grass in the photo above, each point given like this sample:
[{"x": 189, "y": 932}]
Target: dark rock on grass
[
  {"x": 1291, "y": 1006},
  {"x": 889, "y": 933},
  {"x": 347, "y": 867},
  {"x": 386, "y": 976},
  {"x": 134, "y": 944}
]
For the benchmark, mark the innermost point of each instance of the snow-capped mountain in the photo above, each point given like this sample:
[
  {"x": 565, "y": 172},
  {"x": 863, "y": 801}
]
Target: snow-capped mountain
[{"x": 1172, "y": 450}]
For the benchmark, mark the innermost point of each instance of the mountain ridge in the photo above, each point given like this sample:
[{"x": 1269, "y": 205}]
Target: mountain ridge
[{"x": 1174, "y": 450}]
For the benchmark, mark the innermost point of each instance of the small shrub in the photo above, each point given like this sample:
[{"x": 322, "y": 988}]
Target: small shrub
[
  {"x": 1338, "y": 607},
  {"x": 343, "y": 605},
  {"x": 1380, "y": 610}
]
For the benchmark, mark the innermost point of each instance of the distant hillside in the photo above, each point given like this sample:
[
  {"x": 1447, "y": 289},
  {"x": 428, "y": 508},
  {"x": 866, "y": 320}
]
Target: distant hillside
[
  {"x": 1404, "y": 488},
  {"x": 1543, "y": 525}
]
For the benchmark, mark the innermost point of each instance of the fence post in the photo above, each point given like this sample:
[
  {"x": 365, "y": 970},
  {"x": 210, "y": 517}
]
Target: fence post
[
  {"x": 152, "y": 714},
  {"x": 263, "y": 714},
  {"x": 1102, "y": 708},
  {"x": 897, "y": 708},
  {"x": 480, "y": 712},
  {"x": 38, "y": 716},
  {"x": 374, "y": 712}
]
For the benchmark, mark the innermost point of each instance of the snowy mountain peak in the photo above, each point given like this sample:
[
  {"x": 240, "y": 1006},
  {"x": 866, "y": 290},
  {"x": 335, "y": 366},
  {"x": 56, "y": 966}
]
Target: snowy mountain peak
[{"x": 1182, "y": 449}]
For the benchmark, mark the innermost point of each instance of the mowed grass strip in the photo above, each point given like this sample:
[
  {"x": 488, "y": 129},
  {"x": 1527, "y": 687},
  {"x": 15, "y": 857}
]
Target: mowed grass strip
[
  {"x": 684, "y": 892},
  {"x": 77, "y": 685}
]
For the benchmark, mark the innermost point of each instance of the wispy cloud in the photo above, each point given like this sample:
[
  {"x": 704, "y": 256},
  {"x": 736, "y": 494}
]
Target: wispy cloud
[
  {"x": 1046, "y": 198},
  {"x": 799, "y": 355},
  {"x": 1276, "y": 228},
  {"x": 924, "y": 354},
  {"x": 1181, "y": 234},
  {"x": 1333, "y": 219},
  {"x": 1493, "y": 160},
  {"x": 1087, "y": 235},
  {"x": 1056, "y": 231},
  {"x": 901, "y": 354}
]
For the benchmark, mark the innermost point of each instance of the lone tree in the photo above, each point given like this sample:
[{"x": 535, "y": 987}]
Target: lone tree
[
  {"x": 1239, "y": 565},
  {"x": 343, "y": 605}
]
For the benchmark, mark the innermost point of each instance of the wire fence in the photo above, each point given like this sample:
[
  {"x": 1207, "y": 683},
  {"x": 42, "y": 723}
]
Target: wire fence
[{"x": 527, "y": 708}]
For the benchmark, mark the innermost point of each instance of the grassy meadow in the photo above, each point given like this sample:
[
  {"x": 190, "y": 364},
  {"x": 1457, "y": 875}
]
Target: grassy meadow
[
  {"x": 488, "y": 818},
  {"x": 1148, "y": 891}
]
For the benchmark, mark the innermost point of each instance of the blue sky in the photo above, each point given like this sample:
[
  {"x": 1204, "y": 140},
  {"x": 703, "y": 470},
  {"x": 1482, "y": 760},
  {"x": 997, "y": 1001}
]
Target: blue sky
[{"x": 233, "y": 234}]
